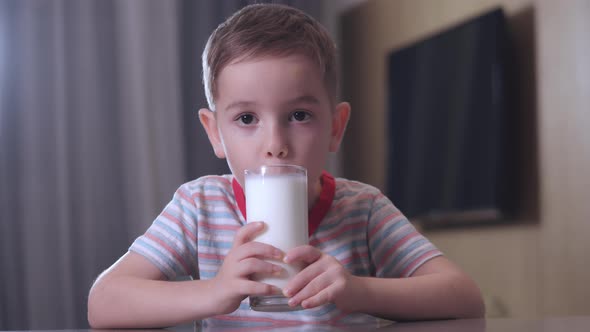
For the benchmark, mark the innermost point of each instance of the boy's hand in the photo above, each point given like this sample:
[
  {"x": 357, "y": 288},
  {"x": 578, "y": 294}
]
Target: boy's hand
[
  {"x": 323, "y": 281},
  {"x": 245, "y": 258}
]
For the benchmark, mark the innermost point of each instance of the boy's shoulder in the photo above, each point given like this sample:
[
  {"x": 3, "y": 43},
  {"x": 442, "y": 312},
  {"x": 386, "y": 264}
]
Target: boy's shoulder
[
  {"x": 351, "y": 187},
  {"x": 209, "y": 183}
]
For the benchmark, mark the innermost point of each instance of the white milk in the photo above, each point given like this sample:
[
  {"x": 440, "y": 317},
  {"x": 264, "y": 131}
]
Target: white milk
[{"x": 281, "y": 202}]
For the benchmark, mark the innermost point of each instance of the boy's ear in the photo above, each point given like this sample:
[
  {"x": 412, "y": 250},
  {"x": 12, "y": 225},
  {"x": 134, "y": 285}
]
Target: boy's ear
[
  {"x": 209, "y": 122},
  {"x": 339, "y": 121}
]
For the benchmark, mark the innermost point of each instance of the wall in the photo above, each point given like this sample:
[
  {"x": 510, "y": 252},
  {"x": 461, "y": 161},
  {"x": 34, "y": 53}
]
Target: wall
[
  {"x": 531, "y": 268},
  {"x": 564, "y": 114},
  {"x": 331, "y": 12}
]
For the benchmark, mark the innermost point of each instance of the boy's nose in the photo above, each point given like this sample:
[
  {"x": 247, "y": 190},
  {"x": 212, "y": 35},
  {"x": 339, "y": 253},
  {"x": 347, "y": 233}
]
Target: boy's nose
[
  {"x": 279, "y": 152},
  {"x": 276, "y": 144}
]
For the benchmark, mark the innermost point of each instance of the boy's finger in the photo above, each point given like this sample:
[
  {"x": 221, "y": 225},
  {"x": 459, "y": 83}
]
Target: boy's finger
[
  {"x": 258, "y": 249},
  {"x": 317, "y": 300},
  {"x": 304, "y": 278},
  {"x": 305, "y": 254},
  {"x": 250, "y": 266},
  {"x": 247, "y": 232},
  {"x": 310, "y": 290}
]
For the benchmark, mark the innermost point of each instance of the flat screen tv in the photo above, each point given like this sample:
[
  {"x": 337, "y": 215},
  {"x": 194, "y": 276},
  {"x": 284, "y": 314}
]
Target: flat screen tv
[{"x": 450, "y": 155}]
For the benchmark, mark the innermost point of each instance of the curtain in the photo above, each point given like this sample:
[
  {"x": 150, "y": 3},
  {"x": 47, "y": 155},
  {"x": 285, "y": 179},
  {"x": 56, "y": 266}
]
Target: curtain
[{"x": 98, "y": 128}]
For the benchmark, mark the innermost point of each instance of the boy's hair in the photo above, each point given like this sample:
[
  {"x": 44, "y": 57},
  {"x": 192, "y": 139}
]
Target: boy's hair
[{"x": 268, "y": 30}]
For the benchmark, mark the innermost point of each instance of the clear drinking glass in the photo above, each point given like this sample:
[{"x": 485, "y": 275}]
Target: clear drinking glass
[{"x": 277, "y": 195}]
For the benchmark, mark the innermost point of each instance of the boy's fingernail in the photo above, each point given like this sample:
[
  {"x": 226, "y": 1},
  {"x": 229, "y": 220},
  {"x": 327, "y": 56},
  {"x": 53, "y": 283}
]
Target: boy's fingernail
[{"x": 286, "y": 292}]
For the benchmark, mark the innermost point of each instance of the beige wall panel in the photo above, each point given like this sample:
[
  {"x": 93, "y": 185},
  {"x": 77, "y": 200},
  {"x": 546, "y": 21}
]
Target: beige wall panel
[{"x": 564, "y": 72}]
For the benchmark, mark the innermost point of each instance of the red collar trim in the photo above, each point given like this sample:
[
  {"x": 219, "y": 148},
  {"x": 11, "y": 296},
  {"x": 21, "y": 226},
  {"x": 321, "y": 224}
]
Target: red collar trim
[
  {"x": 240, "y": 197},
  {"x": 319, "y": 209}
]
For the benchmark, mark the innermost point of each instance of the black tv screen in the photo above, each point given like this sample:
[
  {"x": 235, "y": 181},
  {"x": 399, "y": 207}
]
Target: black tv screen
[{"x": 449, "y": 131}]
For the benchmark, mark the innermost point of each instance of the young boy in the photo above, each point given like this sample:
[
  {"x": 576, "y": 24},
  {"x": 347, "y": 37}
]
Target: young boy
[{"x": 270, "y": 77}]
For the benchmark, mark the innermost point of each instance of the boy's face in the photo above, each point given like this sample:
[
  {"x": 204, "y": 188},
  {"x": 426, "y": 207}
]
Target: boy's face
[{"x": 275, "y": 110}]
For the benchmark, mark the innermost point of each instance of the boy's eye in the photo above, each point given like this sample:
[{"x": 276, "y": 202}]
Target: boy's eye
[
  {"x": 246, "y": 119},
  {"x": 300, "y": 116}
]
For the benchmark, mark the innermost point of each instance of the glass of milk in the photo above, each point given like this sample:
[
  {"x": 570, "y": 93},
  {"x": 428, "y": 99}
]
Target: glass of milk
[{"x": 277, "y": 195}]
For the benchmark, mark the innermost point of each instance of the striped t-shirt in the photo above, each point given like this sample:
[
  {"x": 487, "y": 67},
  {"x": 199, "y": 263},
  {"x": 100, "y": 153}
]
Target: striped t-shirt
[{"x": 353, "y": 222}]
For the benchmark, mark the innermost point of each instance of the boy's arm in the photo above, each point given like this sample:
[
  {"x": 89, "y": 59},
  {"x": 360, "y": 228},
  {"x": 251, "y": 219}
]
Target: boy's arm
[
  {"x": 133, "y": 293},
  {"x": 436, "y": 290}
]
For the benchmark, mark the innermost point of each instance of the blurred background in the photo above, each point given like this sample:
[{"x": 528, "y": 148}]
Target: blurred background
[{"x": 98, "y": 127}]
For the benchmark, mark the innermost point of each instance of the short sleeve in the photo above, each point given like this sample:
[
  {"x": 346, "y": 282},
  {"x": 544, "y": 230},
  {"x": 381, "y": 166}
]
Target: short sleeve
[
  {"x": 397, "y": 248},
  {"x": 170, "y": 242}
]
